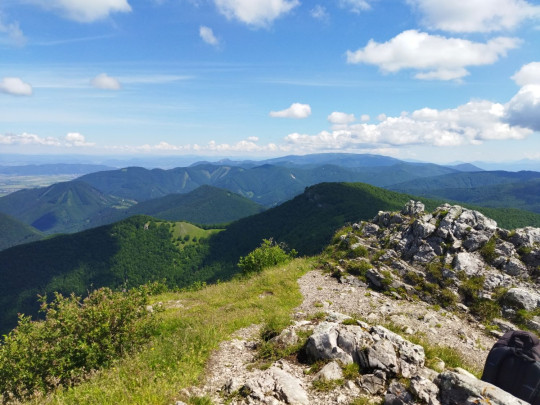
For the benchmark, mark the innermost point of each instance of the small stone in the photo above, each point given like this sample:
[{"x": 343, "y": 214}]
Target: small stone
[{"x": 331, "y": 371}]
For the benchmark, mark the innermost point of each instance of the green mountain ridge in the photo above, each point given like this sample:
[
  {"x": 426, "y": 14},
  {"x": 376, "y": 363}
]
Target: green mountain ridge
[
  {"x": 142, "y": 249},
  {"x": 205, "y": 205}
]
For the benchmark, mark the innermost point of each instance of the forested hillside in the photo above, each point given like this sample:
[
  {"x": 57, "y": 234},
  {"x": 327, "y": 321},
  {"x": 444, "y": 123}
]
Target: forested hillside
[{"x": 122, "y": 255}]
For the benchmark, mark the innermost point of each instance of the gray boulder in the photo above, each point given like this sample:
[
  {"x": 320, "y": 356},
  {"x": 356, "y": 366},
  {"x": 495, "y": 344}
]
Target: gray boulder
[
  {"x": 332, "y": 341},
  {"x": 514, "y": 267},
  {"x": 425, "y": 390},
  {"x": 470, "y": 263},
  {"x": 397, "y": 394},
  {"x": 522, "y": 299},
  {"x": 276, "y": 383},
  {"x": 462, "y": 389},
  {"x": 413, "y": 208},
  {"x": 331, "y": 371},
  {"x": 373, "y": 384}
]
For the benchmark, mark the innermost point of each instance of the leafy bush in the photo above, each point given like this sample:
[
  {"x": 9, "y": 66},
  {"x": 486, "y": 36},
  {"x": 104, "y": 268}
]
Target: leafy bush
[
  {"x": 268, "y": 254},
  {"x": 76, "y": 337}
]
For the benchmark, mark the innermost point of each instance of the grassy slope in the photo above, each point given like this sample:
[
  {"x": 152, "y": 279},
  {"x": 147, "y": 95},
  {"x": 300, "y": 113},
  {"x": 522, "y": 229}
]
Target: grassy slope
[
  {"x": 176, "y": 358},
  {"x": 13, "y": 232}
]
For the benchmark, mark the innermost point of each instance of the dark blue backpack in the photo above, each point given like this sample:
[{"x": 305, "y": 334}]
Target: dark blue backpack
[{"x": 513, "y": 364}]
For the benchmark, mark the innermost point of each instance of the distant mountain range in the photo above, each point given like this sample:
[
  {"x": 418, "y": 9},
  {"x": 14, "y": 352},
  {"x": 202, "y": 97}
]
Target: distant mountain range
[
  {"x": 491, "y": 189},
  {"x": 103, "y": 197}
]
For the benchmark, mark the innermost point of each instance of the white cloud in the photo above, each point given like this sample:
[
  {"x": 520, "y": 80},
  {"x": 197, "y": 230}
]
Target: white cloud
[
  {"x": 28, "y": 139},
  {"x": 319, "y": 12},
  {"x": 243, "y": 146},
  {"x": 76, "y": 139},
  {"x": 475, "y": 15},
  {"x": 381, "y": 117},
  {"x": 356, "y": 6},
  {"x": 365, "y": 118},
  {"x": 105, "y": 82},
  {"x": 528, "y": 74},
  {"x": 25, "y": 139},
  {"x": 258, "y": 13},
  {"x": 13, "y": 32},
  {"x": 469, "y": 124},
  {"x": 436, "y": 57},
  {"x": 341, "y": 118},
  {"x": 523, "y": 109},
  {"x": 208, "y": 36},
  {"x": 296, "y": 110},
  {"x": 85, "y": 10},
  {"x": 15, "y": 86}
]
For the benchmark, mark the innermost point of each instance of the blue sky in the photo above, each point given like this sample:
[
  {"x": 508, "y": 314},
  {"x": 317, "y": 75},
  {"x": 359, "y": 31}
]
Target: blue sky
[{"x": 429, "y": 80}]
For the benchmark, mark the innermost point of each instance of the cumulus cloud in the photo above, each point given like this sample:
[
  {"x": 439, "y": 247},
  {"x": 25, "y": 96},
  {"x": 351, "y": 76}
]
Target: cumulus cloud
[
  {"x": 76, "y": 139},
  {"x": 523, "y": 109},
  {"x": 85, "y": 10},
  {"x": 28, "y": 139},
  {"x": 475, "y": 15},
  {"x": 341, "y": 118},
  {"x": 15, "y": 86},
  {"x": 436, "y": 57},
  {"x": 296, "y": 110},
  {"x": 356, "y": 6},
  {"x": 468, "y": 124},
  {"x": 258, "y": 13},
  {"x": 13, "y": 32},
  {"x": 365, "y": 118},
  {"x": 528, "y": 74},
  {"x": 105, "y": 82},
  {"x": 208, "y": 36}
]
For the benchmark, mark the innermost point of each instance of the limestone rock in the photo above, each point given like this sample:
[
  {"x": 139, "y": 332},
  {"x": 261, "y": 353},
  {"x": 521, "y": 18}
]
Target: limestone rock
[
  {"x": 461, "y": 389},
  {"x": 331, "y": 371},
  {"x": 373, "y": 384},
  {"x": 278, "y": 383},
  {"x": 413, "y": 208},
  {"x": 514, "y": 267},
  {"x": 398, "y": 395},
  {"x": 469, "y": 263},
  {"x": 521, "y": 298},
  {"x": 425, "y": 390}
]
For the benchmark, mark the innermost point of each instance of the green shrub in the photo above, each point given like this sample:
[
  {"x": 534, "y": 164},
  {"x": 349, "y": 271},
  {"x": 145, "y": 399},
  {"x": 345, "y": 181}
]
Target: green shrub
[
  {"x": 358, "y": 267},
  {"x": 359, "y": 251},
  {"x": 76, "y": 337},
  {"x": 488, "y": 250},
  {"x": 268, "y": 254}
]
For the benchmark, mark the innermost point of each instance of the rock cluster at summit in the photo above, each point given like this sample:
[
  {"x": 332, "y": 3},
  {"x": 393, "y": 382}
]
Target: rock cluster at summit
[{"x": 391, "y": 270}]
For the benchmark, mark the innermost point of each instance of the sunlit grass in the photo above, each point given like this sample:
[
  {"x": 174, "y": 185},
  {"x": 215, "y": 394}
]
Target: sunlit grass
[{"x": 177, "y": 356}]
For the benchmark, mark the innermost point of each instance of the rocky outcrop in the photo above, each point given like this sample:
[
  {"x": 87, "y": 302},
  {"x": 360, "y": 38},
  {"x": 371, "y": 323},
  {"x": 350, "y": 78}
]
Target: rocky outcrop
[
  {"x": 392, "y": 370},
  {"x": 434, "y": 255}
]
